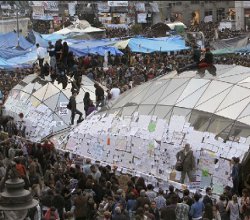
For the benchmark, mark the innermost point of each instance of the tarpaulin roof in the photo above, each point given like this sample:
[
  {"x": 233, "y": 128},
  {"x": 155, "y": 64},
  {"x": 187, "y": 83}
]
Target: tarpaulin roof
[
  {"x": 52, "y": 37},
  {"x": 231, "y": 45},
  {"x": 101, "y": 50},
  {"x": 10, "y": 53},
  {"x": 163, "y": 44},
  {"x": 92, "y": 29},
  {"x": 10, "y": 40},
  {"x": 87, "y": 44}
]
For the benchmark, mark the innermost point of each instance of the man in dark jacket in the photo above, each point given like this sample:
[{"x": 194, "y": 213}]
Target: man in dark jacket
[
  {"x": 207, "y": 198},
  {"x": 74, "y": 110},
  {"x": 188, "y": 161}
]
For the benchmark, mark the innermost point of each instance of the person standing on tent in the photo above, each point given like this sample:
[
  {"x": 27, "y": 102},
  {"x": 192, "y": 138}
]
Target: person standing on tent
[
  {"x": 99, "y": 93},
  {"x": 41, "y": 53},
  {"x": 74, "y": 110},
  {"x": 187, "y": 159},
  {"x": 52, "y": 56}
]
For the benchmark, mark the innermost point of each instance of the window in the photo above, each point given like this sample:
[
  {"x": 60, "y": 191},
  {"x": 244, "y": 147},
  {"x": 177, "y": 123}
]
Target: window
[
  {"x": 178, "y": 3},
  {"x": 209, "y": 12},
  {"x": 195, "y": 2},
  {"x": 220, "y": 14}
]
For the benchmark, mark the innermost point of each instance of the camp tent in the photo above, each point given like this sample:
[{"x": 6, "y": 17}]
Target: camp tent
[
  {"x": 218, "y": 104},
  {"x": 43, "y": 104}
]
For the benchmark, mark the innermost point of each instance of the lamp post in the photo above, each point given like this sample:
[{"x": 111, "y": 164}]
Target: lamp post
[
  {"x": 17, "y": 26},
  {"x": 15, "y": 201}
]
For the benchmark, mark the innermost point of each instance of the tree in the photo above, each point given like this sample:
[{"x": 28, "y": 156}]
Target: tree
[{"x": 136, "y": 29}]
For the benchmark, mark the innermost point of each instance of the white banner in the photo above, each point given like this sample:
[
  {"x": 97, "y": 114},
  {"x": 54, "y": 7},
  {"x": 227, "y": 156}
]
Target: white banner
[
  {"x": 51, "y": 5},
  {"x": 208, "y": 18},
  {"x": 103, "y": 7},
  {"x": 118, "y": 3},
  {"x": 72, "y": 9},
  {"x": 37, "y": 11},
  {"x": 140, "y": 7},
  {"x": 142, "y": 18}
]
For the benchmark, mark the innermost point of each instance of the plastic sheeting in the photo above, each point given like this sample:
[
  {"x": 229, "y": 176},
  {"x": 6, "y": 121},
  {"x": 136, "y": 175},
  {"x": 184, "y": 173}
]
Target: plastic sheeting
[
  {"x": 52, "y": 37},
  {"x": 163, "y": 44},
  {"x": 101, "y": 50},
  {"x": 10, "y": 40}
]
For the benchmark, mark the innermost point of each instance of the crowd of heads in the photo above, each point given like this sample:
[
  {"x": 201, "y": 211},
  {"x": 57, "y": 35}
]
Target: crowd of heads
[{"x": 70, "y": 187}]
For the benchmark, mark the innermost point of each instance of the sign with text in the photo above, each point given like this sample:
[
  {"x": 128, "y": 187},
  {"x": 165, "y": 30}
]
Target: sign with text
[{"x": 118, "y": 3}]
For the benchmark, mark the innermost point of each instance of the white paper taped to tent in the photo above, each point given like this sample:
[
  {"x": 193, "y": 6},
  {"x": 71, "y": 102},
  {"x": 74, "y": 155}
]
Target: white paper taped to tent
[
  {"x": 44, "y": 104},
  {"x": 146, "y": 145}
]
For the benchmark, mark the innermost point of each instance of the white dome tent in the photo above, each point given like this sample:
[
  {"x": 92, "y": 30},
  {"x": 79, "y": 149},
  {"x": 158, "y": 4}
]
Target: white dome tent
[
  {"x": 43, "y": 104},
  {"x": 219, "y": 104},
  {"x": 142, "y": 131}
]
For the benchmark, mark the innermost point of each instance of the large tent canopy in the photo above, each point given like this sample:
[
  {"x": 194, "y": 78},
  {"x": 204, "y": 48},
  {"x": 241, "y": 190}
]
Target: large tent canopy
[
  {"x": 218, "y": 104},
  {"x": 163, "y": 44},
  {"x": 43, "y": 104}
]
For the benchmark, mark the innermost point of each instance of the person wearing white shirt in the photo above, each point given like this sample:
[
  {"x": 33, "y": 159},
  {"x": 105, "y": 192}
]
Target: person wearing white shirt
[
  {"x": 41, "y": 53},
  {"x": 115, "y": 92}
]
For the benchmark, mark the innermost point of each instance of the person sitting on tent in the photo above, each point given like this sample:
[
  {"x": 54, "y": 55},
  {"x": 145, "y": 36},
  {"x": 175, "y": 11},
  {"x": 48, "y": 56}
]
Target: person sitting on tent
[
  {"x": 74, "y": 110},
  {"x": 196, "y": 59},
  {"x": 208, "y": 60},
  {"x": 207, "y": 63}
]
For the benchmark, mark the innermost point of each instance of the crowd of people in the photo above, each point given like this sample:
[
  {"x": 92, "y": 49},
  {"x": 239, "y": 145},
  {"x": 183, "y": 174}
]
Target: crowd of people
[{"x": 74, "y": 188}]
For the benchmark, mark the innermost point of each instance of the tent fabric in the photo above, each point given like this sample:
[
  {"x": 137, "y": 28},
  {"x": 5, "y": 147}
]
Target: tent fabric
[
  {"x": 101, "y": 50},
  {"x": 174, "y": 24},
  {"x": 9, "y": 40},
  {"x": 205, "y": 101},
  {"x": 10, "y": 53},
  {"x": 52, "y": 37},
  {"x": 150, "y": 45},
  {"x": 34, "y": 96},
  {"x": 122, "y": 44},
  {"x": 92, "y": 29}
]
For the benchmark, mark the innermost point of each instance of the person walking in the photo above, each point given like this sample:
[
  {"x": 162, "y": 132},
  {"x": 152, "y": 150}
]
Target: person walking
[
  {"x": 234, "y": 208},
  {"x": 99, "y": 93},
  {"x": 74, "y": 110},
  {"x": 187, "y": 159}
]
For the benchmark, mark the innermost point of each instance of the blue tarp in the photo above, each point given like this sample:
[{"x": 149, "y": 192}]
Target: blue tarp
[
  {"x": 163, "y": 44},
  {"x": 52, "y": 37},
  {"x": 10, "y": 40},
  {"x": 245, "y": 49},
  {"x": 96, "y": 51},
  {"x": 39, "y": 40},
  {"x": 85, "y": 44}
]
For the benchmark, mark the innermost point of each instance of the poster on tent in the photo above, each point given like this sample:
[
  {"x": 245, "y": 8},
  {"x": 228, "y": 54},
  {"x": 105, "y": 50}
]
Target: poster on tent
[{"x": 63, "y": 110}]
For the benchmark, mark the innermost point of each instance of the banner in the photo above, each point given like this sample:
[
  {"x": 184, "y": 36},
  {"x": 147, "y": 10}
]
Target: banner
[
  {"x": 103, "y": 7},
  {"x": 37, "y": 11},
  {"x": 118, "y": 3},
  {"x": 51, "y": 5},
  {"x": 208, "y": 18},
  {"x": 142, "y": 18},
  {"x": 140, "y": 7},
  {"x": 72, "y": 9}
]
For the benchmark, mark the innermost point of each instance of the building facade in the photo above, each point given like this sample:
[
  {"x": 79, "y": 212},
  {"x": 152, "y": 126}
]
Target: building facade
[
  {"x": 242, "y": 9},
  {"x": 185, "y": 11}
]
